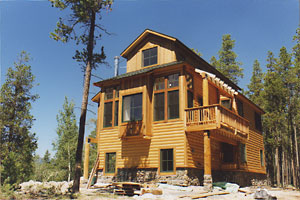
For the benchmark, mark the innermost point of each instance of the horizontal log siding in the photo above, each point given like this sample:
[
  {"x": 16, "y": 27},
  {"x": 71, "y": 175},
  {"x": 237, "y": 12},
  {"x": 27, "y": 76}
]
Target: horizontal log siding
[
  {"x": 144, "y": 153},
  {"x": 195, "y": 151},
  {"x": 109, "y": 142},
  {"x": 168, "y": 135},
  {"x": 253, "y": 147}
]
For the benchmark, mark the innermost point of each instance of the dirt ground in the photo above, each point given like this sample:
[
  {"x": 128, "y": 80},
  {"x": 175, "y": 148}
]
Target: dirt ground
[{"x": 170, "y": 192}]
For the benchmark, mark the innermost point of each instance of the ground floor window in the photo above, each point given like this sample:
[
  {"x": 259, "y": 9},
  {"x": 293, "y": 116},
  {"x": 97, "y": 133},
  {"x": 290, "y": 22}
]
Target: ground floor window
[
  {"x": 228, "y": 153},
  {"x": 166, "y": 160},
  {"x": 110, "y": 162},
  {"x": 262, "y": 158},
  {"x": 243, "y": 156}
]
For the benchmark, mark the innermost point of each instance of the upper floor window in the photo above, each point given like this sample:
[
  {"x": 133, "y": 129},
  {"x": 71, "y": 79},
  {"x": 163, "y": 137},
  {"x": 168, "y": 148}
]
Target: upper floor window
[
  {"x": 149, "y": 56},
  {"x": 240, "y": 107},
  {"x": 257, "y": 118},
  {"x": 190, "y": 91},
  {"x": 166, "y": 98},
  {"x": 111, "y": 107},
  {"x": 226, "y": 103},
  {"x": 132, "y": 107}
]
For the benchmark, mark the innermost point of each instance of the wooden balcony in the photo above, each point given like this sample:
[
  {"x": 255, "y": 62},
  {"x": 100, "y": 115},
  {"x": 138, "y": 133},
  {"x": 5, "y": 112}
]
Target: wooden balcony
[{"x": 216, "y": 117}]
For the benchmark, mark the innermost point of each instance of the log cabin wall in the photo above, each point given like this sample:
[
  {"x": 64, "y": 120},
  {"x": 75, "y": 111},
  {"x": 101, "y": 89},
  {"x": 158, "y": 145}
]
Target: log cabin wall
[{"x": 143, "y": 151}]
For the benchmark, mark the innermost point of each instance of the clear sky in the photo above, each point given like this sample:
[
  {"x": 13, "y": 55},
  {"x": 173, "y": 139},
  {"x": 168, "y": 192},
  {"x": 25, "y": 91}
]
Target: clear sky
[{"x": 257, "y": 26}]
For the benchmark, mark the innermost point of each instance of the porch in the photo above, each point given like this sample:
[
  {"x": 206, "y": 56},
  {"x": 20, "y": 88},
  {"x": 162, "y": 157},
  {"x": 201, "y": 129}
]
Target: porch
[{"x": 216, "y": 117}]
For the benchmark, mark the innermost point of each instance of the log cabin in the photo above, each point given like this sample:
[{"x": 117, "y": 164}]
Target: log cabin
[{"x": 172, "y": 117}]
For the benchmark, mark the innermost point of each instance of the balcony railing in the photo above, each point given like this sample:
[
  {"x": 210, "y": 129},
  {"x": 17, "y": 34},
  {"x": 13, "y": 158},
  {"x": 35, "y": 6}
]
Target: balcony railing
[{"x": 215, "y": 117}]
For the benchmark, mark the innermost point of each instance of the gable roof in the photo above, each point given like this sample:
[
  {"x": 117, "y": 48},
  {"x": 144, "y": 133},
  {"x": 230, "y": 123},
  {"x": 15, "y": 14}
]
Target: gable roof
[
  {"x": 141, "y": 37},
  {"x": 202, "y": 63}
]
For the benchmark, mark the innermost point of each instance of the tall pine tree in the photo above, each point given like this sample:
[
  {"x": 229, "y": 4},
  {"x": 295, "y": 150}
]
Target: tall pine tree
[
  {"x": 256, "y": 86},
  {"x": 83, "y": 20},
  {"x": 227, "y": 63},
  {"x": 66, "y": 142},
  {"x": 17, "y": 143}
]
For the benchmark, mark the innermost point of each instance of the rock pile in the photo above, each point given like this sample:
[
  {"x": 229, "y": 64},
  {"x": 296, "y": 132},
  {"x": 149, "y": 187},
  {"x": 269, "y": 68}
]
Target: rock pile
[{"x": 46, "y": 188}]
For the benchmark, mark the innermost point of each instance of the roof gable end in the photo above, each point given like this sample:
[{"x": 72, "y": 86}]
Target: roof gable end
[{"x": 141, "y": 38}]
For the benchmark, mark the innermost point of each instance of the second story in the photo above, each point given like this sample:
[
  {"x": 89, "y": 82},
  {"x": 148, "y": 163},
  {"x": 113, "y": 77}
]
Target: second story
[{"x": 167, "y": 82}]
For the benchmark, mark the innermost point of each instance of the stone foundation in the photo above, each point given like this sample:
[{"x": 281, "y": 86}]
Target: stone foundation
[{"x": 183, "y": 176}]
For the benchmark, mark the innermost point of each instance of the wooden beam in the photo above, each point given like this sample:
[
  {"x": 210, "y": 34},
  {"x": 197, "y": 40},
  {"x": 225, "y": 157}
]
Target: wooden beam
[{"x": 86, "y": 159}]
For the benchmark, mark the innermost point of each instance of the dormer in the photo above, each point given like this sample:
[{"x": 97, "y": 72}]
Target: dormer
[{"x": 149, "y": 49}]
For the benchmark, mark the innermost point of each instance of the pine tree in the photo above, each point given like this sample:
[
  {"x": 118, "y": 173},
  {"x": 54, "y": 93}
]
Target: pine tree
[
  {"x": 227, "y": 63},
  {"x": 66, "y": 142},
  {"x": 46, "y": 158},
  {"x": 17, "y": 143},
  {"x": 256, "y": 86},
  {"x": 83, "y": 14},
  {"x": 295, "y": 115}
]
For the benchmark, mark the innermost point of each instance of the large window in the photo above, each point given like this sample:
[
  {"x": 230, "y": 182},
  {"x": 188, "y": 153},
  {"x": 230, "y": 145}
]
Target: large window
[
  {"x": 258, "y": 125},
  {"x": 132, "y": 107},
  {"x": 166, "y": 160},
  {"x": 150, "y": 57},
  {"x": 110, "y": 162},
  {"x": 166, "y": 98},
  {"x": 111, "y": 103}
]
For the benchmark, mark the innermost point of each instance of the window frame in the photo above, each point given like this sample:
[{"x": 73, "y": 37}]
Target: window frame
[
  {"x": 129, "y": 95},
  {"x": 258, "y": 121},
  {"x": 113, "y": 100},
  {"x": 165, "y": 92},
  {"x": 261, "y": 156},
  {"x": 225, "y": 145},
  {"x": 143, "y": 57},
  {"x": 243, "y": 153},
  {"x": 190, "y": 90},
  {"x": 106, "y": 163},
  {"x": 161, "y": 161},
  {"x": 240, "y": 107}
]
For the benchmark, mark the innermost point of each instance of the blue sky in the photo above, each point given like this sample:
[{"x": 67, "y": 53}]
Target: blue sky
[{"x": 257, "y": 26}]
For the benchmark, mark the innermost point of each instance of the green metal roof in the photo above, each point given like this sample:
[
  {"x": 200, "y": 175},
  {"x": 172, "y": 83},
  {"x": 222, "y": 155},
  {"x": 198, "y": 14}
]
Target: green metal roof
[{"x": 142, "y": 71}]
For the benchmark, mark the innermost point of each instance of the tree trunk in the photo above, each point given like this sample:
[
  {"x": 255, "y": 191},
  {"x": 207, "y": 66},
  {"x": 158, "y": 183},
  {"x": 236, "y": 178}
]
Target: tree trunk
[
  {"x": 69, "y": 166},
  {"x": 277, "y": 166},
  {"x": 88, "y": 71},
  {"x": 296, "y": 154},
  {"x": 282, "y": 166}
]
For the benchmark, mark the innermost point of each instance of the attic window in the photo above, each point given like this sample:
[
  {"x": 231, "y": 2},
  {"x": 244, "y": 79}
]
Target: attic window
[{"x": 150, "y": 57}]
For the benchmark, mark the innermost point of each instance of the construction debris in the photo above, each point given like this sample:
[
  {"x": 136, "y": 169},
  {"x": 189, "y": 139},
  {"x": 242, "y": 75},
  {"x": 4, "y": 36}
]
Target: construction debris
[{"x": 262, "y": 194}]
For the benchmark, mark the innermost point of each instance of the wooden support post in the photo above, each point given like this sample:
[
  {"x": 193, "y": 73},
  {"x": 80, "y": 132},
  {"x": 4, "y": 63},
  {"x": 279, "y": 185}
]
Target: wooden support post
[
  {"x": 207, "y": 150},
  {"x": 86, "y": 159},
  {"x": 207, "y": 162},
  {"x": 205, "y": 90}
]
